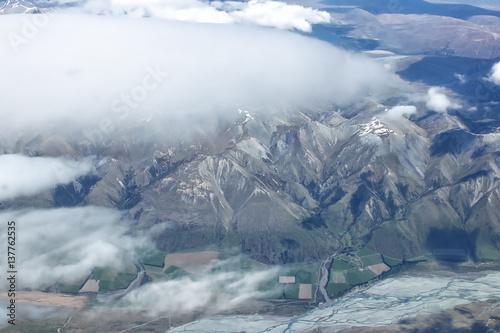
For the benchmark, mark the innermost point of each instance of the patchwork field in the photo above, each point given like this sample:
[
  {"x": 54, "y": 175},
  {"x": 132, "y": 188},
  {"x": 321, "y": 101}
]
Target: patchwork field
[
  {"x": 379, "y": 269},
  {"x": 91, "y": 286},
  {"x": 39, "y": 298},
  {"x": 351, "y": 270},
  {"x": 298, "y": 281},
  {"x": 305, "y": 291},
  {"x": 110, "y": 278},
  {"x": 192, "y": 262},
  {"x": 152, "y": 257}
]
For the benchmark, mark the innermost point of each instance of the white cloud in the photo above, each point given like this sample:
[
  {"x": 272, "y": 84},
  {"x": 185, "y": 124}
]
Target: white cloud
[
  {"x": 400, "y": 111},
  {"x": 437, "y": 100},
  {"x": 462, "y": 78},
  {"x": 495, "y": 74},
  {"x": 66, "y": 243},
  {"x": 21, "y": 175},
  {"x": 274, "y": 14},
  {"x": 267, "y": 13},
  {"x": 101, "y": 71},
  {"x": 213, "y": 291},
  {"x": 396, "y": 118}
]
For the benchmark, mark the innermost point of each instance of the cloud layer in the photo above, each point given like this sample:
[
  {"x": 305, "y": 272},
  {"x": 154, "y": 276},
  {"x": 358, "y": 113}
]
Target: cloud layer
[
  {"x": 21, "y": 175},
  {"x": 267, "y": 13},
  {"x": 106, "y": 70}
]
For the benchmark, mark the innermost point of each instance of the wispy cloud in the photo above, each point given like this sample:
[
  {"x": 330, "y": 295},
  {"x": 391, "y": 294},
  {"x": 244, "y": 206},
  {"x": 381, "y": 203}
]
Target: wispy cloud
[
  {"x": 397, "y": 117},
  {"x": 214, "y": 290},
  {"x": 21, "y": 175},
  {"x": 67, "y": 243},
  {"x": 400, "y": 111},
  {"x": 64, "y": 245},
  {"x": 462, "y": 78}
]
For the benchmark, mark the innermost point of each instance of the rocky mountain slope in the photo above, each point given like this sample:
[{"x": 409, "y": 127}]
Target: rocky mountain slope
[{"x": 296, "y": 186}]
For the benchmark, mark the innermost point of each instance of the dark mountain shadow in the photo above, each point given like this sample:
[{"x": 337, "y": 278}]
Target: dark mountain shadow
[
  {"x": 448, "y": 244},
  {"x": 455, "y": 142},
  {"x": 74, "y": 193},
  {"x": 465, "y": 76},
  {"x": 452, "y": 244}
]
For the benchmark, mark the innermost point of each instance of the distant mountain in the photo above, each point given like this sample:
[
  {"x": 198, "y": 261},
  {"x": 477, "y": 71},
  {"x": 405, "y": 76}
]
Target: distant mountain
[
  {"x": 376, "y": 7},
  {"x": 413, "y": 34}
]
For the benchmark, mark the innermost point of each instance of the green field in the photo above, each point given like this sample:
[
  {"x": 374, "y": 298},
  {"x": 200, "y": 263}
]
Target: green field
[
  {"x": 71, "y": 287},
  {"x": 272, "y": 288},
  {"x": 392, "y": 261},
  {"x": 304, "y": 277},
  {"x": 335, "y": 288},
  {"x": 121, "y": 281},
  {"x": 418, "y": 259},
  {"x": 291, "y": 291},
  {"x": 174, "y": 272},
  {"x": 152, "y": 257},
  {"x": 355, "y": 277},
  {"x": 365, "y": 252},
  {"x": 340, "y": 265},
  {"x": 371, "y": 260},
  {"x": 487, "y": 251},
  {"x": 111, "y": 278}
]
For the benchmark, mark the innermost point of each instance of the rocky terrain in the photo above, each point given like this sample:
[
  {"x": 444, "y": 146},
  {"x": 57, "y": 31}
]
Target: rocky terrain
[{"x": 285, "y": 188}]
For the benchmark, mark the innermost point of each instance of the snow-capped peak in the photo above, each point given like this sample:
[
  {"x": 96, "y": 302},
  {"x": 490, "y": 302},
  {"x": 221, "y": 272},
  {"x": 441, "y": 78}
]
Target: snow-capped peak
[{"x": 374, "y": 127}]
